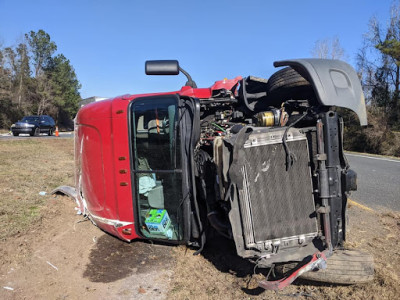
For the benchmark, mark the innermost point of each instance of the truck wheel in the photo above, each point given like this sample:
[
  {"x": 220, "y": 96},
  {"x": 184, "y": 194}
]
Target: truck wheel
[
  {"x": 15, "y": 134},
  {"x": 50, "y": 132},
  {"x": 288, "y": 84},
  {"x": 343, "y": 267}
]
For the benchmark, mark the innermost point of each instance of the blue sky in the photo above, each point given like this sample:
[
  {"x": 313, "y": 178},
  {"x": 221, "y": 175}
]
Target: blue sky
[{"x": 108, "y": 42}]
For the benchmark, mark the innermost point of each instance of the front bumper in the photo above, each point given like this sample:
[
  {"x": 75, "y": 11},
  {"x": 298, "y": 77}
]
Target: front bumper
[{"x": 23, "y": 129}]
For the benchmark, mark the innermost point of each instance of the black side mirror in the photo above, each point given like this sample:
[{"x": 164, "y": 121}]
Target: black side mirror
[
  {"x": 167, "y": 67},
  {"x": 162, "y": 67}
]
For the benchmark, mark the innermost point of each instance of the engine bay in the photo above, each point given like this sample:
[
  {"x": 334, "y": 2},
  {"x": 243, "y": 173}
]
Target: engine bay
[{"x": 267, "y": 158}]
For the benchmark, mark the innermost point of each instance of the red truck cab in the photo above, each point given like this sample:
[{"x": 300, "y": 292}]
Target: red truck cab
[{"x": 105, "y": 156}]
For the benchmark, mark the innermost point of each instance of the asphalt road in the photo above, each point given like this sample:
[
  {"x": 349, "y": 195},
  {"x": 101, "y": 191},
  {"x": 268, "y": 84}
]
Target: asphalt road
[
  {"x": 378, "y": 181},
  {"x": 27, "y": 136}
]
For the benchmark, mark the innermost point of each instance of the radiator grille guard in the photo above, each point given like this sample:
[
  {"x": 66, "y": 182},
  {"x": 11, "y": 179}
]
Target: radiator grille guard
[{"x": 276, "y": 206}]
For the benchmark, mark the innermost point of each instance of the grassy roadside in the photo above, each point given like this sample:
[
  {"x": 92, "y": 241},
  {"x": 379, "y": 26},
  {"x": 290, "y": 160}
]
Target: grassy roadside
[
  {"x": 2, "y": 131},
  {"x": 27, "y": 167},
  {"x": 372, "y": 155}
]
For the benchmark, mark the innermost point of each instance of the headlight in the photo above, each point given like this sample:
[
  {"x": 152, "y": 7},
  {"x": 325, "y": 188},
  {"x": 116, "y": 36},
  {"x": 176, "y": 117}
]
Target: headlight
[
  {"x": 13, "y": 125},
  {"x": 30, "y": 125}
]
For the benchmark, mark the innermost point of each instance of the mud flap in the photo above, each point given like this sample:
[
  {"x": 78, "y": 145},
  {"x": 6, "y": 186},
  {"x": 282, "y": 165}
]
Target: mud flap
[{"x": 67, "y": 191}]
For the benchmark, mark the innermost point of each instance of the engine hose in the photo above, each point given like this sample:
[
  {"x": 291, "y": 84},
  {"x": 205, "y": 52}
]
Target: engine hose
[{"x": 290, "y": 156}]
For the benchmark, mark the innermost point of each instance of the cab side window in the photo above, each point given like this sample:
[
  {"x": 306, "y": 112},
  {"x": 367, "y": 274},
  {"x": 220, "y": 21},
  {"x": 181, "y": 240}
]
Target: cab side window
[{"x": 156, "y": 165}]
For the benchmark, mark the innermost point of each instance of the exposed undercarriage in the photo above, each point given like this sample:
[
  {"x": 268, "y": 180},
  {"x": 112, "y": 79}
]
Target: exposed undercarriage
[
  {"x": 258, "y": 174},
  {"x": 271, "y": 172}
]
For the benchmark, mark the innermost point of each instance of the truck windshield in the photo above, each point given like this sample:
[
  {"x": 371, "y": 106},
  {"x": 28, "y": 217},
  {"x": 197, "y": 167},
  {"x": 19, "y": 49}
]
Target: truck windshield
[{"x": 156, "y": 167}]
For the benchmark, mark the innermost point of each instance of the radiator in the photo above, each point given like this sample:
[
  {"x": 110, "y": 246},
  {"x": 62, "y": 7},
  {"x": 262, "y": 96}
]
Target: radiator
[{"x": 276, "y": 206}]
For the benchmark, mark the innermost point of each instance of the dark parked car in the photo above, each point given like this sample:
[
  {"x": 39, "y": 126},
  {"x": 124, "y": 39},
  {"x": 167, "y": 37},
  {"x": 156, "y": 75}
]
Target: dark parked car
[{"x": 34, "y": 125}]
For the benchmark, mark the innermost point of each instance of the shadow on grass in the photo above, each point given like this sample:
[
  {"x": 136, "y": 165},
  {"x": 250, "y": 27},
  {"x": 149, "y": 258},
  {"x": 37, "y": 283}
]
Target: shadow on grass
[
  {"x": 221, "y": 252},
  {"x": 112, "y": 259}
]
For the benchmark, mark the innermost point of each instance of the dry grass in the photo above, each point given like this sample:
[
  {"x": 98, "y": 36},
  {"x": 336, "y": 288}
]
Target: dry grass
[
  {"x": 32, "y": 165},
  {"x": 27, "y": 167},
  {"x": 219, "y": 274}
]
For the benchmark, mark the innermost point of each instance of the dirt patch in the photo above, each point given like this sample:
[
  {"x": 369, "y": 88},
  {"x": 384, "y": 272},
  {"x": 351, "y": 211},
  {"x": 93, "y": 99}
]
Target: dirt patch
[
  {"x": 65, "y": 257},
  {"x": 112, "y": 259},
  {"x": 49, "y": 252}
]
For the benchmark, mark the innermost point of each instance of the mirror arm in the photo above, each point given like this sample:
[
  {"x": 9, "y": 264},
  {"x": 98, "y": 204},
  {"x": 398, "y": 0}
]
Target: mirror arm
[{"x": 190, "y": 81}]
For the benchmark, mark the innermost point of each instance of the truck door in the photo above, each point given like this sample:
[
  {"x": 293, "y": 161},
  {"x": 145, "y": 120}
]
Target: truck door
[{"x": 161, "y": 197}]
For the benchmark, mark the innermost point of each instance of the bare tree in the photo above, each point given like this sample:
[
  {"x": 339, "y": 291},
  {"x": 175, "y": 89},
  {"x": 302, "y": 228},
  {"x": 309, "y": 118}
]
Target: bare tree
[
  {"x": 328, "y": 48},
  {"x": 378, "y": 63}
]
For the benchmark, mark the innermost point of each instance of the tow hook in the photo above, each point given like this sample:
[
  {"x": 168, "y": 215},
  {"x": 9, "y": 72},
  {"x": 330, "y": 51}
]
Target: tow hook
[{"x": 318, "y": 261}]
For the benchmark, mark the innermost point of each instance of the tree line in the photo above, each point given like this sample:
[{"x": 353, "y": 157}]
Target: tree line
[
  {"x": 378, "y": 67},
  {"x": 36, "y": 81},
  {"x": 33, "y": 80}
]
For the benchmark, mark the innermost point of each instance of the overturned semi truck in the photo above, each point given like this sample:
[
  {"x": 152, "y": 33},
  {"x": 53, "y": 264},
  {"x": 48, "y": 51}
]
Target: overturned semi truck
[{"x": 260, "y": 161}]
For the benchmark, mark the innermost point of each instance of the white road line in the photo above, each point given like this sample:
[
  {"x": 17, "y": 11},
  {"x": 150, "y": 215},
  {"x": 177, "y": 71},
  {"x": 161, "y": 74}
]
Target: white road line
[{"x": 372, "y": 157}]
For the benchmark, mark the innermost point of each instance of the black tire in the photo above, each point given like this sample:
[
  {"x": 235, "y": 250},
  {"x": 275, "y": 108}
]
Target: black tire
[
  {"x": 50, "y": 132},
  {"x": 288, "y": 84},
  {"x": 35, "y": 132},
  {"x": 15, "y": 134},
  {"x": 343, "y": 267}
]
